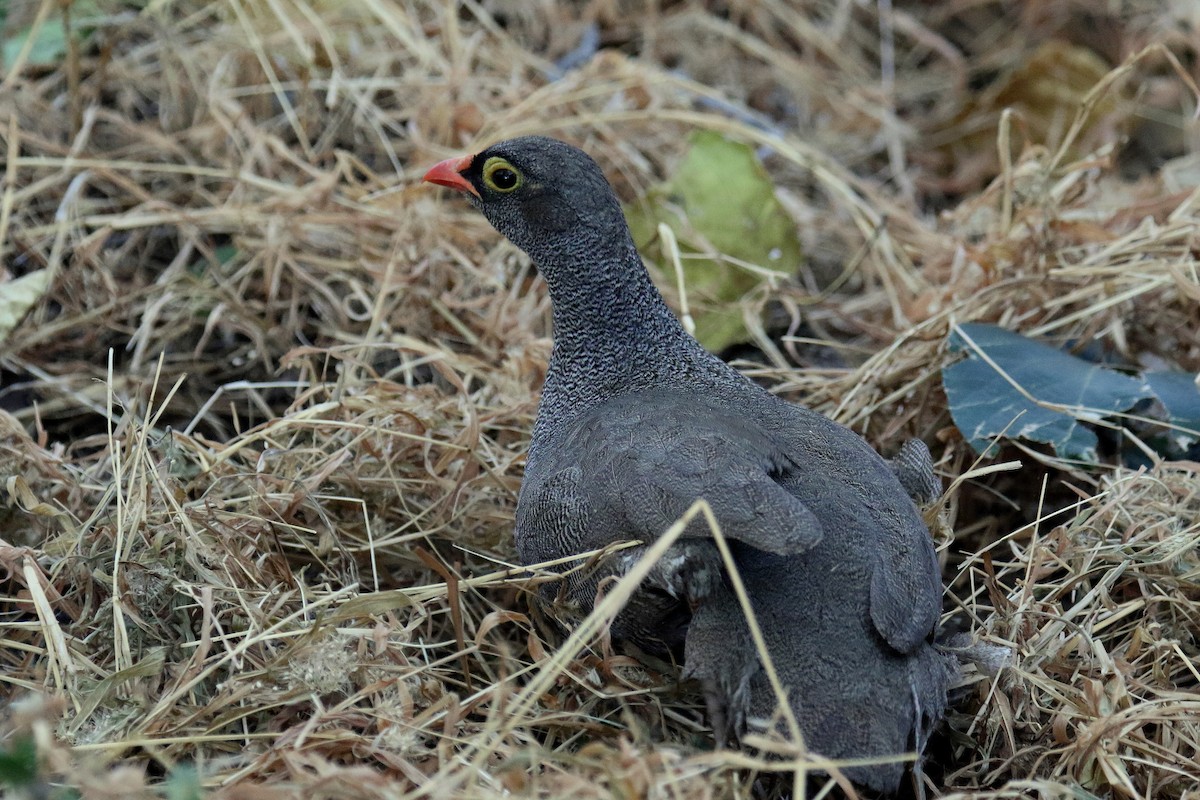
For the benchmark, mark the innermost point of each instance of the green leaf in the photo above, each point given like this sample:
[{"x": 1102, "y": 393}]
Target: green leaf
[
  {"x": 184, "y": 784},
  {"x": 49, "y": 45},
  {"x": 18, "y": 762},
  {"x": 719, "y": 202},
  {"x": 224, "y": 254},
  {"x": 1013, "y": 386},
  {"x": 50, "y": 39}
]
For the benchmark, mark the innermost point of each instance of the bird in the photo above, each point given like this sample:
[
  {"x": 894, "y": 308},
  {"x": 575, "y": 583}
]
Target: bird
[{"x": 637, "y": 421}]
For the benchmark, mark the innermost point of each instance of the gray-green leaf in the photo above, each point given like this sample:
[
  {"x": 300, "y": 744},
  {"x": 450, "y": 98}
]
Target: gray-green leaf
[
  {"x": 1180, "y": 397},
  {"x": 1013, "y": 386}
]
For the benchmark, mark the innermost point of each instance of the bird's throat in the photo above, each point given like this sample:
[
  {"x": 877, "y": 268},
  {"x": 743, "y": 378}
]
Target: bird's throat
[
  {"x": 613, "y": 318},
  {"x": 613, "y": 334}
]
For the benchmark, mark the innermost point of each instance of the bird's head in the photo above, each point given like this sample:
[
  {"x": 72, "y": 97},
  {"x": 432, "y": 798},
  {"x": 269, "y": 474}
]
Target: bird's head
[{"x": 549, "y": 198}]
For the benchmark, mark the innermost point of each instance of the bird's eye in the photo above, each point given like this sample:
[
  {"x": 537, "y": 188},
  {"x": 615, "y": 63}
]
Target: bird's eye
[{"x": 500, "y": 175}]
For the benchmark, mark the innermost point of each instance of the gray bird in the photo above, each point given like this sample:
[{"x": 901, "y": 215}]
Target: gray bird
[{"x": 637, "y": 421}]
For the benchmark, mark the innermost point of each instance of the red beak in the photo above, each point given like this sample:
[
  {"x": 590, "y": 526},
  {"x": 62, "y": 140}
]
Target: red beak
[{"x": 449, "y": 173}]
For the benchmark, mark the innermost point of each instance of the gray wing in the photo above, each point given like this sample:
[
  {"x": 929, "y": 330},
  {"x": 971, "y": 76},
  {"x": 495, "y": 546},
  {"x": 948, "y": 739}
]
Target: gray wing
[
  {"x": 651, "y": 463},
  {"x": 632, "y": 468},
  {"x": 552, "y": 517},
  {"x": 906, "y": 591},
  {"x": 629, "y": 487},
  {"x": 906, "y": 583},
  {"x": 656, "y": 487},
  {"x": 913, "y": 467},
  {"x": 849, "y": 486}
]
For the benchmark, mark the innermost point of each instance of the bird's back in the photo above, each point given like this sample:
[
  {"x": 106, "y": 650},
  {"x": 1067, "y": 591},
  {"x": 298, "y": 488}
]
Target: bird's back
[
  {"x": 847, "y": 614},
  {"x": 853, "y": 695}
]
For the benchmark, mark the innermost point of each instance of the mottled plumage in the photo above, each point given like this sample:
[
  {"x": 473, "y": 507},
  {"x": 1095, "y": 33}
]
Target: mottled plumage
[{"x": 637, "y": 421}]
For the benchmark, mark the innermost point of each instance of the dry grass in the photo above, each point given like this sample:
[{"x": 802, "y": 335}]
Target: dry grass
[{"x": 260, "y": 441}]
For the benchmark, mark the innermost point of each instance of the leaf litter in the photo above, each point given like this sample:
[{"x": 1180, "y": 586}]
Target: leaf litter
[{"x": 261, "y": 437}]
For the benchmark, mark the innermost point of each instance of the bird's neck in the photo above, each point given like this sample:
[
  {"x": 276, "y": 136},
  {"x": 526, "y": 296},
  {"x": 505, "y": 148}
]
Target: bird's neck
[
  {"x": 615, "y": 306},
  {"x": 613, "y": 334}
]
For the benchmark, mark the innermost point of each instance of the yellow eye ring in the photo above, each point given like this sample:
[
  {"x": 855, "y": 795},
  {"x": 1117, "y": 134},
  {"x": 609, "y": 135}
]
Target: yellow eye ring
[{"x": 500, "y": 176}]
